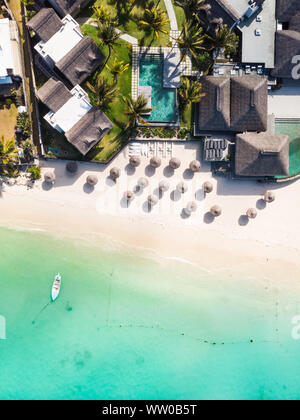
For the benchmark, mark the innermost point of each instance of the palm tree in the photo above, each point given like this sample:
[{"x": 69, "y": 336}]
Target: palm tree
[
  {"x": 117, "y": 68},
  {"x": 135, "y": 109},
  {"x": 191, "y": 39},
  {"x": 192, "y": 7},
  {"x": 8, "y": 151},
  {"x": 108, "y": 36},
  {"x": 126, "y": 5},
  {"x": 103, "y": 16},
  {"x": 102, "y": 92},
  {"x": 155, "y": 19},
  {"x": 224, "y": 38},
  {"x": 28, "y": 2},
  {"x": 190, "y": 92}
]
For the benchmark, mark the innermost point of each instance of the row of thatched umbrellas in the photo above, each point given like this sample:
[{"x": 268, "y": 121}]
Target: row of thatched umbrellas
[
  {"x": 163, "y": 186},
  {"x": 174, "y": 163}
]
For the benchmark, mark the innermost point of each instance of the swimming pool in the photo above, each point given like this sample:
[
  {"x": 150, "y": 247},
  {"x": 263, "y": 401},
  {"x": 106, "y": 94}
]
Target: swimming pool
[
  {"x": 291, "y": 128},
  {"x": 163, "y": 100}
]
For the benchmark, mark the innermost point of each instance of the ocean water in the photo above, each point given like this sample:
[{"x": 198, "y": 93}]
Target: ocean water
[{"x": 129, "y": 326}]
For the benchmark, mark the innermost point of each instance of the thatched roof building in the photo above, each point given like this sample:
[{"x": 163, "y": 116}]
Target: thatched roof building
[
  {"x": 249, "y": 104},
  {"x": 261, "y": 155},
  {"x": 68, "y": 7},
  {"x": 286, "y": 9},
  {"x": 287, "y": 46},
  {"x": 233, "y": 104},
  {"x": 45, "y": 24},
  {"x": 54, "y": 94},
  {"x": 214, "y": 108},
  {"x": 81, "y": 61},
  {"x": 89, "y": 130}
]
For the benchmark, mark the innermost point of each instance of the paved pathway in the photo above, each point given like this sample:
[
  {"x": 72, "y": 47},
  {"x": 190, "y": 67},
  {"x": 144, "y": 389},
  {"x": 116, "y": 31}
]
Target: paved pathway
[{"x": 172, "y": 15}]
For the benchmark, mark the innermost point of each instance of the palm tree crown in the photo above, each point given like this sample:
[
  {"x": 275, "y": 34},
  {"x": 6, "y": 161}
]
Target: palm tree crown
[
  {"x": 135, "y": 109},
  {"x": 8, "y": 151},
  {"x": 224, "y": 38},
  {"x": 191, "y": 39},
  {"x": 190, "y": 91},
  {"x": 117, "y": 68},
  {"x": 155, "y": 19},
  {"x": 102, "y": 92},
  {"x": 192, "y": 7}
]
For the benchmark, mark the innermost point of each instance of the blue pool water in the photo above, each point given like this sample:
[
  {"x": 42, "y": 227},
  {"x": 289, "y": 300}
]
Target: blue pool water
[
  {"x": 292, "y": 129},
  {"x": 162, "y": 100},
  {"x": 140, "y": 327}
]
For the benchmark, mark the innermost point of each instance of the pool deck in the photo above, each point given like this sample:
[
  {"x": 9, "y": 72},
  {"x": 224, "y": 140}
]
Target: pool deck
[{"x": 285, "y": 102}]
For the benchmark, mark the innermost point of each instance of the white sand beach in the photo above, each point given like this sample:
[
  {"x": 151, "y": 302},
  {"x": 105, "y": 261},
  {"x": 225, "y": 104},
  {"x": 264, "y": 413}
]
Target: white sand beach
[{"x": 71, "y": 207}]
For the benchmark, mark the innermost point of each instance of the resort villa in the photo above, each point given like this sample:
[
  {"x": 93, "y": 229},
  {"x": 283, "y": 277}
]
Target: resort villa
[
  {"x": 71, "y": 113},
  {"x": 62, "y": 48},
  {"x": 69, "y": 58},
  {"x": 10, "y": 61}
]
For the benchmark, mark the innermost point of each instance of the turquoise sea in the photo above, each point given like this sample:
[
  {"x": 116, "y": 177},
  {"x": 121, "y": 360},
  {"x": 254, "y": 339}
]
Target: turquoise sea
[{"x": 128, "y": 326}]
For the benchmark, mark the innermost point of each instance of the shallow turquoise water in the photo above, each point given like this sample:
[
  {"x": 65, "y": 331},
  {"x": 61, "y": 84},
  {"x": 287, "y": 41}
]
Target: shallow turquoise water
[
  {"x": 291, "y": 129},
  {"x": 162, "y": 100},
  {"x": 139, "y": 328}
]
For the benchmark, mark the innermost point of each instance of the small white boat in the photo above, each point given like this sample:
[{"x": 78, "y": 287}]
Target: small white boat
[{"x": 56, "y": 287}]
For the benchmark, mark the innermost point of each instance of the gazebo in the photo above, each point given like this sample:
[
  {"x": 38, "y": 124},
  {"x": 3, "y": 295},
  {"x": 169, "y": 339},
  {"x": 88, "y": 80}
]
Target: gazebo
[
  {"x": 152, "y": 200},
  {"x": 155, "y": 162},
  {"x": 135, "y": 161},
  {"x": 195, "y": 166},
  {"x": 49, "y": 177},
  {"x": 174, "y": 163},
  {"x": 251, "y": 213},
  {"x": 143, "y": 182},
  {"x": 208, "y": 187},
  {"x": 115, "y": 173},
  {"x": 269, "y": 197},
  {"x": 163, "y": 186},
  {"x": 216, "y": 211},
  {"x": 92, "y": 180},
  {"x": 182, "y": 187}
]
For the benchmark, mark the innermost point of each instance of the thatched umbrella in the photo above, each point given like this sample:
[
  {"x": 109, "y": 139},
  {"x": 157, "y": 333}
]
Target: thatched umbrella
[
  {"x": 163, "y": 186},
  {"x": 195, "y": 166},
  {"x": 207, "y": 187},
  {"x": 135, "y": 161},
  {"x": 216, "y": 211},
  {"x": 251, "y": 213},
  {"x": 155, "y": 162},
  {"x": 115, "y": 173},
  {"x": 269, "y": 197},
  {"x": 128, "y": 195},
  {"x": 49, "y": 177},
  {"x": 92, "y": 180},
  {"x": 72, "y": 167},
  {"x": 182, "y": 187},
  {"x": 174, "y": 163},
  {"x": 152, "y": 200},
  {"x": 191, "y": 206},
  {"x": 143, "y": 182}
]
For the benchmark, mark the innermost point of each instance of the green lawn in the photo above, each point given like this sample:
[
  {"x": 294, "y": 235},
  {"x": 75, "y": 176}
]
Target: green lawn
[
  {"x": 180, "y": 15},
  {"x": 129, "y": 22}
]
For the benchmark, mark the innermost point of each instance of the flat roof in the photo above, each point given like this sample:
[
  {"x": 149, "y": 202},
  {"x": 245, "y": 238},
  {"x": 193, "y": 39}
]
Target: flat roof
[
  {"x": 70, "y": 113},
  {"x": 6, "y": 53},
  {"x": 62, "y": 42},
  {"x": 258, "y": 49}
]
